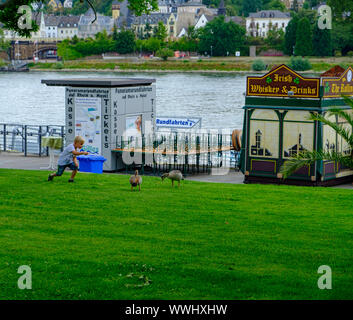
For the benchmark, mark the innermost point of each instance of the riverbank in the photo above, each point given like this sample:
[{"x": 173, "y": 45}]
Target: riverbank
[{"x": 213, "y": 65}]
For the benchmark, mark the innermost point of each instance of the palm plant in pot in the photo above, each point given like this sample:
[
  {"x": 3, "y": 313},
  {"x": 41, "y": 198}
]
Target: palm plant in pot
[{"x": 306, "y": 158}]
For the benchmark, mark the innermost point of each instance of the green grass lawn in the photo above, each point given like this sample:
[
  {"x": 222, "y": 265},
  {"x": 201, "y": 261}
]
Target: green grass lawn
[{"x": 95, "y": 239}]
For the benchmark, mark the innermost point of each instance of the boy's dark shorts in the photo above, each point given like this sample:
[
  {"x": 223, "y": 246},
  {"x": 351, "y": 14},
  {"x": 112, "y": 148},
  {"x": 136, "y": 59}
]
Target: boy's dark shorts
[{"x": 61, "y": 169}]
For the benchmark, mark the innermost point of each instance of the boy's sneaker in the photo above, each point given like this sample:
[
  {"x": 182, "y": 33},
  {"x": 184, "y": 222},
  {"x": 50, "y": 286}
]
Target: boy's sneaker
[
  {"x": 50, "y": 178},
  {"x": 70, "y": 180}
]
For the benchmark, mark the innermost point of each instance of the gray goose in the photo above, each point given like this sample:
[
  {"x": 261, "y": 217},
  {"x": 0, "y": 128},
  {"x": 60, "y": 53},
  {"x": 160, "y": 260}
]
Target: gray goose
[{"x": 174, "y": 175}]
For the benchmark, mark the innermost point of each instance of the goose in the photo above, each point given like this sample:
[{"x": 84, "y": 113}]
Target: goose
[
  {"x": 135, "y": 181},
  {"x": 174, "y": 175}
]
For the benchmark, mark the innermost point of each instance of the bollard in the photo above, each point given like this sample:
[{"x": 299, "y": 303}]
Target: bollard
[
  {"x": 5, "y": 137},
  {"x": 198, "y": 154},
  {"x": 25, "y": 138}
]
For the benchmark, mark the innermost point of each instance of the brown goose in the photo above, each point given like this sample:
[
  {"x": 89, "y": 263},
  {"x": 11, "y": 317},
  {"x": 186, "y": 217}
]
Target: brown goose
[
  {"x": 174, "y": 175},
  {"x": 135, "y": 181}
]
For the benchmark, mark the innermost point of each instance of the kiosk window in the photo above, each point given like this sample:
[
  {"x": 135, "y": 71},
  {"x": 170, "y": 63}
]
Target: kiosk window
[
  {"x": 298, "y": 133},
  {"x": 264, "y": 134}
]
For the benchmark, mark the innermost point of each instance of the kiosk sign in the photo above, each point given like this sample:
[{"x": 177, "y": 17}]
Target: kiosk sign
[
  {"x": 283, "y": 82},
  {"x": 88, "y": 122},
  {"x": 334, "y": 88}
]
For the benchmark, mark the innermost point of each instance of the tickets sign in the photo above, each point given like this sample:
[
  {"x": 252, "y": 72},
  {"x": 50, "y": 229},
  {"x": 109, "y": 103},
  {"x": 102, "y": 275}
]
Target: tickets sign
[
  {"x": 283, "y": 82},
  {"x": 339, "y": 86}
]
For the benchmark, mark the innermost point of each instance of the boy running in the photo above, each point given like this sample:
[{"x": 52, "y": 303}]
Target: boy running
[{"x": 67, "y": 159}]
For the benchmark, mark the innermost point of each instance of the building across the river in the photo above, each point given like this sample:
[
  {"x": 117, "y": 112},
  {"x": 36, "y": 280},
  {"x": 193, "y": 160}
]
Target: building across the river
[{"x": 259, "y": 23}]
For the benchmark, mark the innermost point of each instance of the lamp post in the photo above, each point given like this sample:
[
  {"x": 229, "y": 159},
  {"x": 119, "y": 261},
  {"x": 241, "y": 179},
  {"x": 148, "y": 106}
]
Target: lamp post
[{"x": 211, "y": 50}]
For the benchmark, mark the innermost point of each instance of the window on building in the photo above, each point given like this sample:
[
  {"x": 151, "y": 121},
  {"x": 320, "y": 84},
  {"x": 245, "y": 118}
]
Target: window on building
[
  {"x": 298, "y": 133},
  {"x": 264, "y": 134}
]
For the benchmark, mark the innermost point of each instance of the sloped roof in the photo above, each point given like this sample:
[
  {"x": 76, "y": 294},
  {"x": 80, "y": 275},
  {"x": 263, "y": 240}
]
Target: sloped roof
[
  {"x": 210, "y": 18},
  {"x": 335, "y": 71},
  {"x": 192, "y": 4},
  {"x": 68, "y": 21},
  {"x": 51, "y": 20},
  {"x": 88, "y": 17},
  {"x": 270, "y": 14},
  {"x": 152, "y": 18},
  {"x": 235, "y": 19},
  {"x": 171, "y": 2}
]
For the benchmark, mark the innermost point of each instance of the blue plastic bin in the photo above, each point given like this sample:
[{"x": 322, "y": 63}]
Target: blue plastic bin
[{"x": 91, "y": 163}]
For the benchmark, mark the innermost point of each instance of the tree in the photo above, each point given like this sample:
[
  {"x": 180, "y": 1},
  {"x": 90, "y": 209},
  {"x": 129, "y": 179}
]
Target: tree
[
  {"x": 9, "y": 15},
  {"x": 165, "y": 53},
  {"x": 322, "y": 42},
  {"x": 275, "y": 5},
  {"x": 309, "y": 157},
  {"x": 148, "y": 30},
  {"x": 4, "y": 44},
  {"x": 303, "y": 46},
  {"x": 275, "y": 38},
  {"x": 290, "y": 35},
  {"x": 342, "y": 37},
  {"x": 251, "y": 6},
  {"x": 66, "y": 52},
  {"x": 220, "y": 37},
  {"x": 115, "y": 33},
  {"x": 161, "y": 31},
  {"x": 75, "y": 39},
  {"x": 152, "y": 45},
  {"x": 125, "y": 42},
  {"x": 340, "y": 8}
]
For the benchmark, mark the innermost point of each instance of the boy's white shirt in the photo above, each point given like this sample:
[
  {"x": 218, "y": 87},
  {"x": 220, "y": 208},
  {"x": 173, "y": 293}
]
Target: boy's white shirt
[{"x": 66, "y": 157}]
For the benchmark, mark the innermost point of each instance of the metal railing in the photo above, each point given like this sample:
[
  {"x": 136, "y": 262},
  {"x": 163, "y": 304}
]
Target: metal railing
[
  {"x": 189, "y": 152},
  {"x": 27, "y": 139}
]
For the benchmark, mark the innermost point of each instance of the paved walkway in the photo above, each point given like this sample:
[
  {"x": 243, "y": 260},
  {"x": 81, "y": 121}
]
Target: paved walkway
[{"x": 19, "y": 161}]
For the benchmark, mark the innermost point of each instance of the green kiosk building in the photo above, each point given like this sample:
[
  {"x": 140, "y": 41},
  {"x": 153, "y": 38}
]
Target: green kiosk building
[{"x": 276, "y": 125}]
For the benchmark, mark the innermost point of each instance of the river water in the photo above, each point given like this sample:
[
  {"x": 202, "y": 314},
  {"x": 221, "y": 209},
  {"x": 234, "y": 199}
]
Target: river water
[{"x": 216, "y": 98}]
